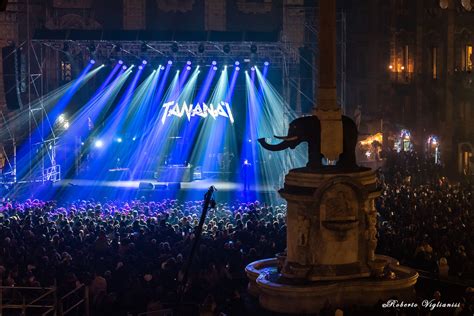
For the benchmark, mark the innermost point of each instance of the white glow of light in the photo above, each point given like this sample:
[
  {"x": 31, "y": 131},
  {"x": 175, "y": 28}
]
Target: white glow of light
[
  {"x": 61, "y": 118},
  {"x": 99, "y": 144},
  {"x": 66, "y": 125}
]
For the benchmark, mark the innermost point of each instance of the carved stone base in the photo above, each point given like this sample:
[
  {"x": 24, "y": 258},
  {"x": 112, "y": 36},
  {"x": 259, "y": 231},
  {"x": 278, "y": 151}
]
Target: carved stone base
[
  {"x": 282, "y": 295},
  {"x": 331, "y": 219}
]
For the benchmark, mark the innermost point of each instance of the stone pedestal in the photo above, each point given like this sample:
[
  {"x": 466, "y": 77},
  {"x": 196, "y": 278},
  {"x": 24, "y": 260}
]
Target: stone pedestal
[
  {"x": 331, "y": 219},
  {"x": 331, "y": 240}
]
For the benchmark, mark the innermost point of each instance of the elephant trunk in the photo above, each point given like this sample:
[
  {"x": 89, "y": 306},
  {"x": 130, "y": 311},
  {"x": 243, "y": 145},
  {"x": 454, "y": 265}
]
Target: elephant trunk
[{"x": 277, "y": 147}]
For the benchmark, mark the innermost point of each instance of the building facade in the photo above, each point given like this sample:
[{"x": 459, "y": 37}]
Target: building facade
[{"x": 410, "y": 66}]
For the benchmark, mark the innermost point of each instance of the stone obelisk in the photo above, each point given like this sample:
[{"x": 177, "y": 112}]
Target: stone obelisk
[
  {"x": 331, "y": 216},
  {"x": 326, "y": 108}
]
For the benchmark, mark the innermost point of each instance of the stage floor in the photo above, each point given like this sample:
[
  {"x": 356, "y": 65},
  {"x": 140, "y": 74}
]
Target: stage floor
[
  {"x": 74, "y": 189},
  {"x": 194, "y": 185}
]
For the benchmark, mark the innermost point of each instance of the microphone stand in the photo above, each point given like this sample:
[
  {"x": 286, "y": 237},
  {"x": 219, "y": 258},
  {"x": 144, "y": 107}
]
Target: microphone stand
[{"x": 209, "y": 202}]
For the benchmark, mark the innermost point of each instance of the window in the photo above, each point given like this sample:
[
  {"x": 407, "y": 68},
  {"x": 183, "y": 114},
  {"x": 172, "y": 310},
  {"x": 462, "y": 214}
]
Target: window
[
  {"x": 469, "y": 58},
  {"x": 66, "y": 71},
  {"x": 434, "y": 62},
  {"x": 405, "y": 59}
]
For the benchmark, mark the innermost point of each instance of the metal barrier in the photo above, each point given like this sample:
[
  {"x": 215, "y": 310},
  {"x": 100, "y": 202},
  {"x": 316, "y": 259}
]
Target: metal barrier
[
  {"x": 44, "y": 301},
  {"x": 27, "y": 298},
  {"x": 65, "y": 308}
]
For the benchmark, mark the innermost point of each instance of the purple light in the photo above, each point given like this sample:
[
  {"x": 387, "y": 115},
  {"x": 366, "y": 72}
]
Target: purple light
[
  {"x": 144, "y": 62},
  {"x": 237, "y": 63},
  {"x": 237, "y": 68},
  {"x": 92, "y": 61},
  {"x": 253, "y": 68},
  {"x": 162, "y": 67},
  {"x": 214, "y": 68},
  {"x": 188, "y": 62},
  {"x": 120, "y": 62},
  {"x": 266, "y": 63},
  {"x": 214, "y": 62},
  {"x": 140, "y": 67},
  {"x": 170, "y": 62},
  {"x": 124, "y": 67},
  {"x": 188, "y": 68}
]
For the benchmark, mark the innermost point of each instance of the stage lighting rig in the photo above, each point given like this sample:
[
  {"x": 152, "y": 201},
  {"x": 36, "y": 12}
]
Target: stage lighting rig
[
  {"x": 92, "y": 47},
  {"x": 226, "y": 48},
  {"x": 201, "y": 48},
  {"x": 174, "y": 48}
]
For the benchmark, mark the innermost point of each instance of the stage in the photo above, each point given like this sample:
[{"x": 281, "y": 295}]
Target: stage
[{"x": 149, "y": 189}]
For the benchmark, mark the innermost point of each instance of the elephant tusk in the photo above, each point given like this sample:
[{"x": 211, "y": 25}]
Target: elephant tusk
[{"x": 287, "y": 138}]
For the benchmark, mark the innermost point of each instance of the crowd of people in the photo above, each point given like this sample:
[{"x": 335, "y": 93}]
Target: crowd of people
[
  {"x": 132, "y": 254},
  {"x": 426, "y": 221}
]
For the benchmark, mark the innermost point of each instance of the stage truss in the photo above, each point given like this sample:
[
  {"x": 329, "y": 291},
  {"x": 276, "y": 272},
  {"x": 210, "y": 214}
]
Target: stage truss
[{"x": 44, "y": 58}]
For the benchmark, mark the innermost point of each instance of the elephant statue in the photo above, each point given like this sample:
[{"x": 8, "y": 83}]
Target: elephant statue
[{"x": 308, "y": 129}]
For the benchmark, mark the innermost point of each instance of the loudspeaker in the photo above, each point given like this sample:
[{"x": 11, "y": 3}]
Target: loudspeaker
[
  {"x": 11, "y": 73},
  {"x": 3, "y": 5},
  {"x": 174, "y": 186},
  {"x": 145, "y": 186}
]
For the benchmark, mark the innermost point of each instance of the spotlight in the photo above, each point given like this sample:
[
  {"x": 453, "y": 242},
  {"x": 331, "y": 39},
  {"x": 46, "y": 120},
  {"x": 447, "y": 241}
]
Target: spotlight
[
  {"x": 237, "y": 63},
  {"x": 120, "y": 62},
  {"x": 144, "y": 62},
  {"x": 170, "y": 62},
  {"x": 140, "y": 67},
  {"x": 188, "y": 62},
  {"x": 237, "y": 68},
  {"x": 99, "y": 144},
  {"x": 188, "y": 68},
  {"x": 66, "y": 125},
  {"x": 253, "y": 68},
  {"x": 119, "y": 139},
  {"x": 266, "y": 63},
  {"x": 214, "y": 62},
  {"x": 201, "y": 48},
  {"x": 162, "y": 67},
  {"x": 92, "y": 61},
  {"x": 214, "y": 68},
  {"x": 134, "y": 138},
  {"x": 61, "y": 118},
  {"x": 253, "y": 49},
  {"x": 226, "y": 48},
  {"x": 124, "y": 67}
]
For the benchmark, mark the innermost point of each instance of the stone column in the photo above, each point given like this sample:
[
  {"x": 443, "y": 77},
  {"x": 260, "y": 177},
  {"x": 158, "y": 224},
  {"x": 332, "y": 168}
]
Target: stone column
[{"x": 327, "y": 110}]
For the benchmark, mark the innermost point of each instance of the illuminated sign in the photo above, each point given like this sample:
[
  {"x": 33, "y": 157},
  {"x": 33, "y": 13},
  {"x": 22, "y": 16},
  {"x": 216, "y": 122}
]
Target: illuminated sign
[{"x": 172, "y": 108}]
